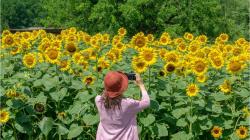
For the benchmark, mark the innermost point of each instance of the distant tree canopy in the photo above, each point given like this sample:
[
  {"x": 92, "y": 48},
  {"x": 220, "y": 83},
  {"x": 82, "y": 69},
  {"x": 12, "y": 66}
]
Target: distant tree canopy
[{"x": 150, "y": 16}]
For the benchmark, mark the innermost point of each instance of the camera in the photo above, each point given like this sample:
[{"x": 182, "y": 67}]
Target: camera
[{"x": 131, "y": 76}]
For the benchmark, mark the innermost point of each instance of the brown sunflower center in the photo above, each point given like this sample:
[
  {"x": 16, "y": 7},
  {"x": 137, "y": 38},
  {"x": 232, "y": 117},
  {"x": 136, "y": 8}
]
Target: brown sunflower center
[
  {"x": 30, "y": 60},
  {"x": 53, "y": 54},
  {"x": 235, "y": 66},
  {"x": 170, "y": 67},
  {"x": 242, "y": 132},
  {"x": 9, "y": 40},
  {"x": 89, "y": 80},
  {"x": 140, "y": 42},
  {"x": 200, "y": 66},
  {"x": 71, "y": 48}
]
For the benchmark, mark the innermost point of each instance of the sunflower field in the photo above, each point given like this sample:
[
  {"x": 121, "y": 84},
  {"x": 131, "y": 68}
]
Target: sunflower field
[{"x": 199, "y": 88}]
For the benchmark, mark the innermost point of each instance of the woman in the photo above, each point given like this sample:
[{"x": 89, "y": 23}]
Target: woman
[{"x": 118, "y": 114}]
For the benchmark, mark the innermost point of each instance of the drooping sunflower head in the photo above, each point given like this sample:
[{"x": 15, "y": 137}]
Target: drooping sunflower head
[
  {"x": 192, "y": 90},
  {"x": 52, "y": 55},
  {"x": 242, "y": 132},
  {"x": 139, "y": 65},
  {"x": 4, "y": 116},
  {"x": 199, "y": 66},
  {"x": 139, "y": 41},
  {"x": 225, "y": 86},
  {"x": 148, "y": 55},
  {"x": 29, "y": 60},
  {"x": 216, "y": 132}
]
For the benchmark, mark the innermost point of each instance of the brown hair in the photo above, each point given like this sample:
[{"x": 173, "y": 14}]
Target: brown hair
[{"x": 111, "y": 103}]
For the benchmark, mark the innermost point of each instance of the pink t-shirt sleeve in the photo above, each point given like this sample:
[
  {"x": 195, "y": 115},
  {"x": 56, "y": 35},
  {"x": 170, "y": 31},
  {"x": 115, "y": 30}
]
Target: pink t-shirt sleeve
[{"x": 137, "y": 106}]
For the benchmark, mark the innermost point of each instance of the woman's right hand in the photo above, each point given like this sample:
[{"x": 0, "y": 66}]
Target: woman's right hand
[{"x": 138, "y": 80}]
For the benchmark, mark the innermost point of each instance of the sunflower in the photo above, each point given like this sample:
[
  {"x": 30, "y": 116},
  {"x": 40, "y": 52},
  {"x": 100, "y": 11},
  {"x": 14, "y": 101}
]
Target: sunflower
[
  {"x": 116, "y": 39},
  {"x": 64, "y": 65},
  {"x": 120, "y": 46},
  {"x": 122, "y": 31},
  {"x": 188, "y": 36},
  {"x": 172, "y": 56},
  {"x": 162, "y": 73},
  {"x": 165, "y": 39},
  {"x": 88, "y": 80},
  {"x": 138, "y": 65},
  {"x": 216, "y": 132},
  {"x": 6, "y": 32},
  {"x": 4, "y": 116},
  {"x": 148, "y": 55},
  {"x": 105, "y": 38},
  {"x": 76, "y": 57},
  {"x": 11, "y": 93},
  {"x": 15, "y": 50},
  {"x": 150, "y": 37},
  {"x": 194, "y": 46},
  {"x": 43, "y": 46},
  {"x": 202, "y": 39},
  {"x": 226, "y": 86},
  {"x": 8, "y": 40},
  {"x": 182, "y": 47},
  {"x": 217, "y": 62},
  {"x": 224, "y": 37},
  {"x": 236, "y": 51},
  {"x": 201, "y": 78},
  {"x": 199, "y": 66},
  {"x": 52, "y": 55},
  {"x": 241, "y": 42},
  {"x": 170, "y": 67},
  {"x": 242, "y": 132},
  {"x": 246, "y": 112},
  {"x": 84, "y": 64},
  {"x": 192, "y": 90},
  {"x": 162, "y": 52},
  {"x": 61, "y": 115},
  {"x": 40, "y": 57},
  {"x": 29, "y": 60},
  {"x": 139, "y": 41},
  {"x": 25, "y": 45},
  {"x": 234, "y": 65},
  {"x": 71, "y": 47}
]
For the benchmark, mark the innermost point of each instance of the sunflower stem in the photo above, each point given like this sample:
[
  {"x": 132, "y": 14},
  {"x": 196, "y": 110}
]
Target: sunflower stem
[
  {"x": 190, "y": 126},
  {"x": 149, "y": 79}
]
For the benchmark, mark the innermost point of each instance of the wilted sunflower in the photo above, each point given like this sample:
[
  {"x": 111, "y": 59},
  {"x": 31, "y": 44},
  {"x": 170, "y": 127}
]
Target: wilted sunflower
[
  {"x": 139, "y": 65},
  {"x": 139, "y": 41},
  {"x": 217, "y": 62},
  {"x": 216, "y": 132},
  {"x": 192, "y": 90},
  {"x": 122, "y": 31},
  {"x": 71, "y": 47},
  {"x": 52, "y": 55},
  {"x": 88, "y": 80},
  {"x": 29, "y": 60},
  {"x": 226, "y": 86},
  {"x": 170, "y": 67},
  {"x": 64, "y": 65},
  {"x": 234, "y": 65},
  {"x": 199, "y": 66},
  {"x": 4, "y": 116},
  {"x": 148, "y": 55},
  {"x": 242, "y": 132}
]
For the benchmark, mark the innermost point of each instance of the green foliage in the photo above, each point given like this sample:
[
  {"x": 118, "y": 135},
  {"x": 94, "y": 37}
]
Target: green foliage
[{"x": 174, "y": 16}]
